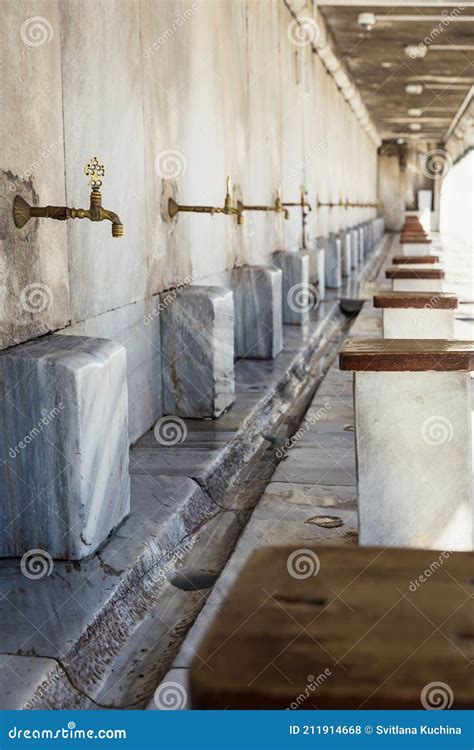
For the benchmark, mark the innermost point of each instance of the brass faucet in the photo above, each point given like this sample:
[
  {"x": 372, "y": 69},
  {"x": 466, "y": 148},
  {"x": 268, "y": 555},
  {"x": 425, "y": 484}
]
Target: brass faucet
[
  {"x": 278, "y": 206},
  {"x": 22, "y": 211},
  {"x": 305, "y": 209},
  {"x": 228, "y": 209},
  {"x": 302, "y": 203}
]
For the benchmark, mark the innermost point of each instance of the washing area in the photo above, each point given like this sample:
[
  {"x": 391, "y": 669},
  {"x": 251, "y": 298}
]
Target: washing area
[{"x": 210, "y": 378}]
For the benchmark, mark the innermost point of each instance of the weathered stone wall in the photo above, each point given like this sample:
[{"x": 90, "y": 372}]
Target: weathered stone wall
[{"x": 220, "y": 84}]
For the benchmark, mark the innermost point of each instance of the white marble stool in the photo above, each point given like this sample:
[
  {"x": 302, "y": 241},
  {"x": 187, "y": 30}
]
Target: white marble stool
[
  {"x": 417, "y": 315},
  {"x": 422, "y": 277},
  {"x": 412, "y": 402}
]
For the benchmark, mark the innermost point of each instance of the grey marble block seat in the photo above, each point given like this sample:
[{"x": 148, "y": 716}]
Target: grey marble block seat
[
  {"x": 64, "y": 482},
  {"x": 346, "y": 252},
  {"x": 317, "y": 253},
  {"x": 258, "y": 314},
  {"x": 362, "y": 243},
  {"x": 354, "y": 247},
  {"x": 298, "y": 296},
  {"x": 333, "y": 267},
  {"x": 197, "y": 349}
]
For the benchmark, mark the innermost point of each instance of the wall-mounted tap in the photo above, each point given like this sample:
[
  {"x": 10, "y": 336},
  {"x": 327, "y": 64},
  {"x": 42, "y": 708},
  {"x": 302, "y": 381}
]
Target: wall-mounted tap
[
  {"x": 302, "y": 203},
  {"x": 228, "y": 209},
  {"x": 22, "y": 211},
  {"x": 277, "y": 206},
  {"x": 305, "y": 209}
]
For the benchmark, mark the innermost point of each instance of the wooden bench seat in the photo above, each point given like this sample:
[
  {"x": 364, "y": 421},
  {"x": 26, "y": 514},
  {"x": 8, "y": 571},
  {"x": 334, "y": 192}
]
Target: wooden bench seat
[
  {"x": 417, "y": 315},
  {"x": 426, "y": 300},
  {"x": 412, "y": 355},
  {"x": 416, "y": 277},
  {"x": 398, "y": 259},
  {"x": 412, "y": 402},
  {"x": 332, "y": 628}
]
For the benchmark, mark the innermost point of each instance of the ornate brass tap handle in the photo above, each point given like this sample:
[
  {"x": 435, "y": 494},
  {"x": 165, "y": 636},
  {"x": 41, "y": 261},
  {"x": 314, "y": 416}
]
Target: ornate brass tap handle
[{"x": 95, "y": 172}]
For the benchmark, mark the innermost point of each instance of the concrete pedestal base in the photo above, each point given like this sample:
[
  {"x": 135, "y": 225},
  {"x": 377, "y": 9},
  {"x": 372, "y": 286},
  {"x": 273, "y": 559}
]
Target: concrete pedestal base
[
  {"x": 297, "y": 294},
  {"x": 417, "y": 285},
  {"x": 258, "y": 316},
  {"x": 333, "y": 269},
  {"x": 416, "y": 323},
  {"x": 414, "y": 453},
  {"x": 64, "y": 483},
  {"x": 416, "y": 248},
  {"x": 197, "y": 342},
  {"x": 346, "y": 253}
]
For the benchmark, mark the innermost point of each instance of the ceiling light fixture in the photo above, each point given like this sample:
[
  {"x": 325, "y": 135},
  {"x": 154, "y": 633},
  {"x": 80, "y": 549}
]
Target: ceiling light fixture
[
  {"x": 414, "y": 126},
  {"x": 415, "y": 112},
  {"x": 387, "y": 65},
  {"x": 414, "y": 88},
  {"x": 366, "y": 21}
]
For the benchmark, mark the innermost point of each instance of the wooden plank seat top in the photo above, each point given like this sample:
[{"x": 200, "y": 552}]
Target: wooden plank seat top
[
  {"x": 399, "y": 259},
  {"x": 405, "y": 271},
  {"x": 416, "y": 355},
  {"x": 411, "y": 240},
  {"x": 428, "y": 300},
  {"x": 332, "y": 628}
]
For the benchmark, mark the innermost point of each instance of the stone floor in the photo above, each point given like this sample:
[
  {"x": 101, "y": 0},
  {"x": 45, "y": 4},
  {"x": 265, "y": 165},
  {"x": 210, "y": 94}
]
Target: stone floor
[
  {"x": 312, "y": 495},
  {"x": 103, "y": 632}
]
